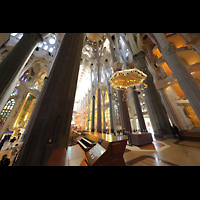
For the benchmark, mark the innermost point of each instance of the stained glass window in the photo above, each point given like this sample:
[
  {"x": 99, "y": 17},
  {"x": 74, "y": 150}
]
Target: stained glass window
[
  {"x": 26, "y": 111},
  {"x": 14, "y": 92},
  {"x": 6, "y": 111},
  {"x": 25, "y": 76}
]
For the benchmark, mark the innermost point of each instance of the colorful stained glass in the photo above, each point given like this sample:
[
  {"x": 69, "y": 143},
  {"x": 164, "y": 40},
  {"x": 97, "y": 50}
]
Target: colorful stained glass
[{"x": 6, "y": 111}]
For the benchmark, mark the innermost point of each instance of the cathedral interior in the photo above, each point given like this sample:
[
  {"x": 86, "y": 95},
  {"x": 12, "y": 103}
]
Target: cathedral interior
[{"x": 64, "y": 91}]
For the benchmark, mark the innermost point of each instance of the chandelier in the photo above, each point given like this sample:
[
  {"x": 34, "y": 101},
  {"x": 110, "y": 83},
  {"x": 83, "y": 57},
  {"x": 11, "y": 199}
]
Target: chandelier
[{"x": 124, "y": 79}]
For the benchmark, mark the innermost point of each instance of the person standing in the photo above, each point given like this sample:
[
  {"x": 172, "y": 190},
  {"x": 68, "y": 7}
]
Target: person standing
[
  {"x": 2, "y": 143},
  {"x": 175, "y": 131},
  {"x": 4, "y": 161},
  {"x": 14, "y": 151},
  {"x": 18, "y": 136},
  {"x": 11, "y": 142}
]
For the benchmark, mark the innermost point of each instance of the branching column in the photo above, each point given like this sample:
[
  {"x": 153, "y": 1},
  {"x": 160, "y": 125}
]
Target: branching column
[
  {"x": 124, "y": 115},
  {"x": 138, "y": 110},
  {"x": 49, "y": 126},
  {"x": 152, "y": 96},
  {"x": 93, "y": 88},
  {"x": 187, "y": 83},
  {"x": 104, "y": 117},
  {"x": 13, "y": 64},
  {"x": 88, "y": 122},
  {"x": 109, "y": 89},
  {"x": 99, "y": 121}
]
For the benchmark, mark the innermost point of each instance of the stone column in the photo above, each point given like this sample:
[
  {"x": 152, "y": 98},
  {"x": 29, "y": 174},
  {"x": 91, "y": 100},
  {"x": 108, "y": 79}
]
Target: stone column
[
  {"x": 82, "y": 115},
  {"x": 184, "y": 122},
  {"x": 109, "y": 89},
  {"x": 4, "y": 38},
  {"x": 187, "y": 83},
  {"x": 111, "y": 113},
  {"x": 13, "y": 64},
  {"x": 151, "y": 116},
  {"x": 93, "y": 113},
  {"x": 169, "y": 108},
  {"x": 152, "y": 97},
  {"x": 192, "y": 39},
  {"x": 49, "y": 126},
  {"x": 99, "y": 121},
  {"x": 124, "y": 115},
  {"x": 88, "y": 122},
  {"x": 123, "y": 108},
  {"x": 104, "y": 117},
  {"x": 85, "y": 110},
  {"x": 138, "y": 111},
  {"x": 93, "y": 90}
]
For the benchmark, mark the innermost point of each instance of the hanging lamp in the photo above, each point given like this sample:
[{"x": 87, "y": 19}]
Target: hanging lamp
[{"x": 127, "y": 78}]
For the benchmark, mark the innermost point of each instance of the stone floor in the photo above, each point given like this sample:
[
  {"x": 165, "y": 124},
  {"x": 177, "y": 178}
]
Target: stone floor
[{"x": 169, "y": 152}]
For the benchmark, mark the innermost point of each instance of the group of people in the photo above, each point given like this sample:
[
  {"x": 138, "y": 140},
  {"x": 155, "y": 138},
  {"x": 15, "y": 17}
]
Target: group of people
[
  {"x": 174, "y": 128},
  {"x": 5, "y": 161},
  {"x": 7, "y": 138}
]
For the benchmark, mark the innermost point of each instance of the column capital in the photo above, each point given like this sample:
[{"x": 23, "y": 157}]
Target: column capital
[
  {"x": 117, "y": 66},
  {"x": 167, "y": 50},
  {"x": 37, "y": 36},
  {"x": 138, "y": 56}
]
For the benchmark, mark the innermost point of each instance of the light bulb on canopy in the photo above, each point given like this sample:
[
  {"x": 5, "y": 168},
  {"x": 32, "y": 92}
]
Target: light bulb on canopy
[{"x": 127, "y": 78}]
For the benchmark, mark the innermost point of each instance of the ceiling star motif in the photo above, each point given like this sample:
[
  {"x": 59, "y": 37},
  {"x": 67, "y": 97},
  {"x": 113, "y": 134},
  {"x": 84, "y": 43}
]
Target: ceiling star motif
[{"x": 95, "y": 39}]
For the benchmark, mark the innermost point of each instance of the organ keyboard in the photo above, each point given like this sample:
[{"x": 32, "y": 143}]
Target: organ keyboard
[
  {"x": 85, "y": 143},
  {"x": 100, "y": 149}
]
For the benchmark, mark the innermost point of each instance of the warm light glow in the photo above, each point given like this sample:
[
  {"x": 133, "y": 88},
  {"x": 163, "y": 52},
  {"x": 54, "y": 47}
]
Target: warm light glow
[{"x": 127, "y": 78}]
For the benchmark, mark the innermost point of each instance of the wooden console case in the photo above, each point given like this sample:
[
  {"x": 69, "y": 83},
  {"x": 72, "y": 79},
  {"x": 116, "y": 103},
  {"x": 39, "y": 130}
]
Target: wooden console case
[{"x": 108, "y": 150}]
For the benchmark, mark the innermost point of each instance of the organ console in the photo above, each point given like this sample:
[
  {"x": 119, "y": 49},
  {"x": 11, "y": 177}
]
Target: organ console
[
  {"x": 85, "y": 143},
  {"x": 100, "y": 149}
]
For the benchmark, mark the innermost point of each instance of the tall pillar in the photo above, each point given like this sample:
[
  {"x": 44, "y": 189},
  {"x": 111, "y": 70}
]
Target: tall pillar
[
  {"x": 85, "y": 111},
  {"x": 4, "y": 38},
  {"x": 99, "y": 121},
  {"x": 189, "y": 40},
  {"x": 184, "y": 122},
  {"x": 88, "y": 121},
  {"x": 151, "y": 116},
  {"x": 124, "y": 115},
  {"x": 104, "y": 117},
  {"x": 109, "y": 89},
  {"x": 152, "y": 97},
  {"x": 138, "y": 111},
  {"x": 13, "y": 64},
  {"x": 111, "y": 113},
  {"x": 187, "y": 83},
  {"x": 93, "y": 90},
  {"x": 93, "y": 113},
  {"x": 49, "y": 126},
  {"x": 169, "y": 108}
]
